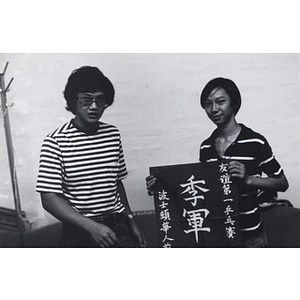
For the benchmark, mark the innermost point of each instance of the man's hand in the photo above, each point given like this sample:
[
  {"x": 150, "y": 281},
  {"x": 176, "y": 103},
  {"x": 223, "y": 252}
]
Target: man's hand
[
  {"x": 150, "y": 182},
  {"x": 238, "y": 170},
  {"x": 102, "y": 235}
]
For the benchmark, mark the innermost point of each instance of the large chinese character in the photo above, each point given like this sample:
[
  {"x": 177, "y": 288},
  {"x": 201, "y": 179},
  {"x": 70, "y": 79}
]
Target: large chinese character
[
  {"x": 195, "y": 220},
  {"x": 192, "y": 188}
]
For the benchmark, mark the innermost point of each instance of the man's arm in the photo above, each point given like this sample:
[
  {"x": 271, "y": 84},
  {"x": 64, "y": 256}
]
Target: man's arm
[
  {"x": 237, "y": 170},
  {"x": 279, "y": 184},
  {"x": 134, "y": 229},
  {"x": 60, "y": 209}
]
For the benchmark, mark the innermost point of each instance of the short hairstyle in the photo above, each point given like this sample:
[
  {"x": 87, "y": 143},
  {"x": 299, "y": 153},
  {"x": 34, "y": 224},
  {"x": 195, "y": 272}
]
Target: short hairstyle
[
  {"x": 230, "y": 88},
  {"x": 87, "y": 79}
]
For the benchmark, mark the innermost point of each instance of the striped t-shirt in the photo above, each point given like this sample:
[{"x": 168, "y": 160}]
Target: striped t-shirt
[
  {"x": 83, "y": 168},
  {"x": 253, "y": 150}
]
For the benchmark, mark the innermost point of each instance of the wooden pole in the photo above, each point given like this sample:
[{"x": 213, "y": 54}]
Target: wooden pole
[{"x": 10, "y": 150}]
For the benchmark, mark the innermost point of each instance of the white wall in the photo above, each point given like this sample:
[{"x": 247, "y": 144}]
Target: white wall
[{"x": 156, "y": 109}]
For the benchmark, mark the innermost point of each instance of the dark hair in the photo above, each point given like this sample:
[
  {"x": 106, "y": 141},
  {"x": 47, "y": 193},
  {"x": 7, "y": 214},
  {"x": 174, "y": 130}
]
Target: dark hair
[
  {"x": 87, "y": 79},
  {"x": 230, "y": 88}
]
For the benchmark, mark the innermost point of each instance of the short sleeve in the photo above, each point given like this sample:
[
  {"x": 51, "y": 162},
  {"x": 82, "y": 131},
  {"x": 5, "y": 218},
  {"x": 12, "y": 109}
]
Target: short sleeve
[
  {"x": 122, "y": 174},
  {"x": 50, "y": 168},
  {"x": 267, "y": 162}
]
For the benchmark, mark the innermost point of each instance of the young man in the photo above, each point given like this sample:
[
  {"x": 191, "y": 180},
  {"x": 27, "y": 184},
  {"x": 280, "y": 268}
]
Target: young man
[
  {"x": 248, "y": 153},
  {"x": 82, "y": 167}
]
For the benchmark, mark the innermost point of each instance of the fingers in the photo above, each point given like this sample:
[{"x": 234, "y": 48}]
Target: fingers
[
  {"x": 107, "y": 241},
  {"x": 149, "y": 177},
  {"x": 142, "y": 241},
  {"x": 150, "y": 182},
  {"x": 104, "y": 236},
  {"x": 236, "y": 169}
]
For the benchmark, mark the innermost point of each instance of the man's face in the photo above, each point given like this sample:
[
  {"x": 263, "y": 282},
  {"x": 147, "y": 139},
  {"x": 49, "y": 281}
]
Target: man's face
[
  {"x": 218, "y": 107},
  {"x": 90, "y": 107}
]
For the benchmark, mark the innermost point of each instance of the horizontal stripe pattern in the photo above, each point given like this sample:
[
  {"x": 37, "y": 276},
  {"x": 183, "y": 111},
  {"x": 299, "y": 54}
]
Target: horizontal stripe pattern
[
  {"x": 83, "y": 168},
  {"x": 251, "y": 141},
  {"x": 205, "y": 147},
  {"x": 249, "y": 212},
  {"x": 253, "y": 150},
  {"x": 238, "y": 158},
  {"x": 252, "y": 228}
]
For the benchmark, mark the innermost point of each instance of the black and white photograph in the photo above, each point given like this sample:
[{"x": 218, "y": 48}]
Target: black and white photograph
[
  {"x": 149, "y": 110},
  {"x": 130, "y": 128}
]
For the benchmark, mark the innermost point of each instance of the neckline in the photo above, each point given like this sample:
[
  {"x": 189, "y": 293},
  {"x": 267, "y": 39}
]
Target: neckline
[
  {"x": 88, "y": 132},
  {"x": 233, "y": 142},
  {"x": 235, "y": 136}
]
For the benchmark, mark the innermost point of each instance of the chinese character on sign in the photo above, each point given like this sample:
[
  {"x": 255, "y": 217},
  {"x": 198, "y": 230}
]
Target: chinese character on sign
[
  {"x": 225, "y": 179},
  {"x": 192, "y": 189},
  {"x": 226, "y": 200},
  {"x": 223, "y": 168},
  {"x": 196, "y": 205},
  {"x": 165, "y": 227},
  {"x": 165, "y": 215},
  {"x": 229, "y": 221},
  {"x": 162, "y": 195},
  {"x": 230, "y": 232},
  {"x": 163, "y": 205},
  {"x": 228, "y": 210},
  {"x": 195, "y": 220},
  {"x": 226, "y": 189}
]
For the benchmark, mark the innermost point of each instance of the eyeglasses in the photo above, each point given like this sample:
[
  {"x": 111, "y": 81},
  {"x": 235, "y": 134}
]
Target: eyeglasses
[{"x": 87, "y": 101}]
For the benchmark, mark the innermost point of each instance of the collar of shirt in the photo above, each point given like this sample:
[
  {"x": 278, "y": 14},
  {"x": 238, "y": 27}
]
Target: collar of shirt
[{"x": 88, "y": 132}]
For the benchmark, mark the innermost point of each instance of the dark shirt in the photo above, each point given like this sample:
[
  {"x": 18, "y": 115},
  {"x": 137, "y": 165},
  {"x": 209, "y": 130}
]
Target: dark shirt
[{"x": 253, "y": 150}]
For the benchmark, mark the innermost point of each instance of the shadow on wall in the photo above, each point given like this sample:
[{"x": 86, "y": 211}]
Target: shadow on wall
[{"x": 282, "y": 225}]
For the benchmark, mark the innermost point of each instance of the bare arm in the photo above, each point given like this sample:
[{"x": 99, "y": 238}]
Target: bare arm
[
  {"x": 279, "y": 184},
  {"x": 237, "y": 170},
  {"x": 133, "y": 227},
  {"x": 61, "y": 210}
]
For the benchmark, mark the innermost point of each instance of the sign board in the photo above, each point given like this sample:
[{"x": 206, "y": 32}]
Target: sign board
[{"x": 196, "y": 206}]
